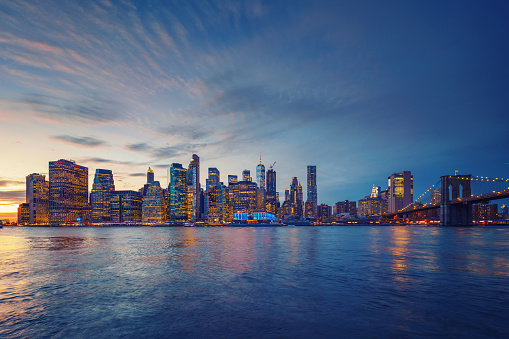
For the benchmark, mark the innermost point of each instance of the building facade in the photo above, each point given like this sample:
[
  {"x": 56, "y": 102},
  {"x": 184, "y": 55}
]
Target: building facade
[
  {"x": 37, "y": 198},
  {"x": 153, "y": 207},
  {"x": 178, "y": 193},
  {"x": 312, "y": 195},
  {"x": 400, "y": 191},
  {"x": 68, "y": 192},
  {"x": 126, "y": 207},
  {"x": 193, "y": 184},
  {"x": 100, "y": 196}
]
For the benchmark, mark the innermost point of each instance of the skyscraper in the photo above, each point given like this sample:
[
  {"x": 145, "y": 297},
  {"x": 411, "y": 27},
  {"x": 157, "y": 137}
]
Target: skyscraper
[
  {"x": 244, "y": 197},
  {"x": 271, "y": 191},
  {"x": 126, "y": 207},
  {"x": 296, "y": 197},
  {"x": 193, "y": 183},
  {"x": 246, "y": 175},
  {"x": 401, "y": 190},
  {"x": 178, "y": 192},
  {"x": 153, "y": 207},
  {"x": 260, "y": 174},
  {"x": 68, "y": 191},
  {"x": 312, "y": 197},
  {"x": 232, "y": 179},
  {"x": 37, "y": 194},
  {"x": 213, "y": 179},
  {"x": 150, "y": 175},
  {"x": 100, "y": 196}
]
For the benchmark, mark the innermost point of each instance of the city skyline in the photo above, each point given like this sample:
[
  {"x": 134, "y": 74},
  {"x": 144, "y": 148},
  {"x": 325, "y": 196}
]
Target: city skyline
[{"x": 361, "y": 90}]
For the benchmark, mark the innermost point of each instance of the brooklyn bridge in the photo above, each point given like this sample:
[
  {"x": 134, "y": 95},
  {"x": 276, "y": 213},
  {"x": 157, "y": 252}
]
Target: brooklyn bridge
[{"x": 452, "y": 197}]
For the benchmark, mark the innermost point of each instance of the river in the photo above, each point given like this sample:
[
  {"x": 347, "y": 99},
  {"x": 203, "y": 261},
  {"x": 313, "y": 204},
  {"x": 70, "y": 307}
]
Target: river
[{"x": 284, "y": 282}]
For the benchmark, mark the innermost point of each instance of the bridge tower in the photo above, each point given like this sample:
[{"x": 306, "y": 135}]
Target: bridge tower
[{"x": 452, "y": 211}]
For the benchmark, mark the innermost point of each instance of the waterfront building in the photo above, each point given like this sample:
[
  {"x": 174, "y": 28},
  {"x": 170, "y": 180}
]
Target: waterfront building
[
  {"x": 126, "y": 207},
  {"x": 384, "y": 201},
  {"x": 23, "y": 214},
  {"x": 312, "y": 195},
  {"x": 246, "y": 175},
  {"x": 193, "y": 183},
  {"x": 369, "y": 207},
  {"x": 178, "y": 193},
  {"x": 309, "y": 211},
  {"x": 150, "y": 175},
  {"x": 37, "y": 196},
  {"x": 346, "y": 206},
  {"x": 271, "y": 203},
  {"x": 68, "y": 192},
  {"x": 484, "y": 211},
  {"x": 232, "y": 179},
  {"x": 401, "y": 190},
  {"x": 324, "y": 213},
  {"x": 261, "y": 200},
  {"x": 260, "y": 174},
  {"x": 504, "y": 210},
  {"x": 218, "y": 203},
  {"x": 100, "y": 196},
  {"x": 153, "y": 206},
  {"x": 244, "y": 196}
]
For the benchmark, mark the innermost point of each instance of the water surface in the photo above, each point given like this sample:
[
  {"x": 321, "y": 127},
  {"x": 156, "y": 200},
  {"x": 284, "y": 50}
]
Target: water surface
[{"x": 294, "y": 282}]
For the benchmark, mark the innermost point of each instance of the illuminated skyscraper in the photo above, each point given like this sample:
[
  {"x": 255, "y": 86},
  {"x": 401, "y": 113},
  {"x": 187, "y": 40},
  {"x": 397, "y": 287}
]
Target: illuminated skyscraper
[
  {"x": 153, "y": 207},
  {"x": 68, "y": 191},
  {"x": 37, "y": 194},
  {"x": 150, "y": 175},
  {"x": 100, "y": 196},
  {"x": 312, "y": 196},
  {"x": 126, "y": 207},
  {"x": 232, "y": 179},
  {"x": 296, "y": 198},
  {"x": 23, "y": 214},
  {"x": 246, "y": 175},
  {"x": 401, "y": 191},
  {"x": 178, "y": 192},
  {"x": 213, "y": 179},
  {"x": 244, "y": 197},
  {"x": 271, "y": 191},
  {"x": 193, "y": 183},
  {"x": 260, "y": 174}
]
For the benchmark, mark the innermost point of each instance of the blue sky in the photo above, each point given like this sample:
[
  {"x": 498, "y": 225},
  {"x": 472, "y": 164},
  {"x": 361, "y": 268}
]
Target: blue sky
[{"x": 361, "y": 89}]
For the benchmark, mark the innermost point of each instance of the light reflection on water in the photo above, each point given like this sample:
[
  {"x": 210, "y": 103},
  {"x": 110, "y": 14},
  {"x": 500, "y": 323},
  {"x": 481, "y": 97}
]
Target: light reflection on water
[{"x": 259, "y": 282}]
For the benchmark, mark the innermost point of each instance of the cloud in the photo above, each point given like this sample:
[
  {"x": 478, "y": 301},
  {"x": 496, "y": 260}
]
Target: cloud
[
  {"x": 5, "y": 183},
  {"x": 110, "y": 161},
  {"x": 137, "y": 174},
  {"x": 89, "y": 109},
  {"x": 139, "y": 147},
  {"x": 190, "y": 132},
  {"x": 10, "y": 196},
  {"x": 82, "y": 141}
]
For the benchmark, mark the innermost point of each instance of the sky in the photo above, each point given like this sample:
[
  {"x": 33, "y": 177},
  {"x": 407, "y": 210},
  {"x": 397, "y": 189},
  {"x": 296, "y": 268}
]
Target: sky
[{"x": 361, "y": 89}]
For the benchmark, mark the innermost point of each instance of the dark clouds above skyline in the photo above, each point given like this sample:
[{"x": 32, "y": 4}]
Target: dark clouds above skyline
[{"x": 361, "y": 89}]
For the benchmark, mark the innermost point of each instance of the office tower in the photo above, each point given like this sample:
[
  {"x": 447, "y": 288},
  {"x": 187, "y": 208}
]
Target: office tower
[
  {"x": 37, "y": 195},
  {"x": 296, "y": 197},
  {"x": 384, "y": 201},
  {"x": 312, "y": 195},
  {"x": 213, "y": 179},
  {"x": 23, "y": 213},
  {"x": 100, "y": 196},
  {"x": 126, "y": 207},
  {"x": 218, "y": 203},
  {"x": 246, "y": 175},
  {"x": 287, "y": 194},
  {"x": 150, "y": 175},
  {"x": 271, "y": 191},
  {"x": 193, "y": 184},
  {"x": 375, "y": 191},
  {"x": 260, "y": 174},
  {"x": 244, "y": 197},
  {"x": 261, "y": 200},
  {"x": 232, "y": 179},
  {"x": 401, "y": 190},
  {"x": 178, "y": 192},
  {"x": 153, "y": 206},
  {"x": 324, "y": 213},
  {"x": 68, "y": 192}
]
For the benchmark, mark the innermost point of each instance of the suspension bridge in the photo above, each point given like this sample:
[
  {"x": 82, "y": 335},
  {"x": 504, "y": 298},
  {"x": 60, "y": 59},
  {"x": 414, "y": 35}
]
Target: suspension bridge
[{"x": 452, "y": 197}]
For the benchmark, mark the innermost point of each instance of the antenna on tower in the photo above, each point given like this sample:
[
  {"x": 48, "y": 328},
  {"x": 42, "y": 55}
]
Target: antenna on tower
[
  {"x": 271, "y": 166},
  {"x": 260, "y": 157}
]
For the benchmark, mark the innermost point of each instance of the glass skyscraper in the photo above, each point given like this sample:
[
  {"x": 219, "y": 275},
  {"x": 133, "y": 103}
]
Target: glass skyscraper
[
  {"x": 271, "y": 191},
  {"x": 153, "y": 207},
  {"x": 178, "y": 192},
  {"x": 68, "y": 191},
  {"x": 100, "y": 196},
  {"x": 312, "y": 196},
  {"x": 246, "y": 175},
  {"x": 213, "y": 179},
  {"x": 126, "y": 207},
  {"x": 193, "y": 183}
]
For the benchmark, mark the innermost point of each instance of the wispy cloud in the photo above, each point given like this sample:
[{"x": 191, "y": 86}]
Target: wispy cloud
[
  {"x": 13, "y": 196},
  {"x": 81, "y": 141},
  {"x": 6, "y": 183}
]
